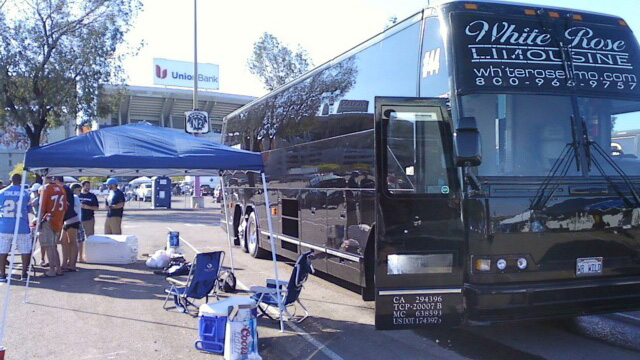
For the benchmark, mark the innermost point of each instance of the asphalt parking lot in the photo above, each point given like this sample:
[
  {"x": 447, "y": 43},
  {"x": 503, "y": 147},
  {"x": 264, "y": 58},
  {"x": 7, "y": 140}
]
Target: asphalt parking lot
[{"x": 115, "y": 312}]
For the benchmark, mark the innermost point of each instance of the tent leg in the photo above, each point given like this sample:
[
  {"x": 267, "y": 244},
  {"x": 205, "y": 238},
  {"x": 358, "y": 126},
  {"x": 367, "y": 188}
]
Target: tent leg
[
  {"x": 274, "y": 256},
  {"x": 226, "y": 219},
  {"x": 14, "y": 249},
  {"x": 33, "y": 246}
]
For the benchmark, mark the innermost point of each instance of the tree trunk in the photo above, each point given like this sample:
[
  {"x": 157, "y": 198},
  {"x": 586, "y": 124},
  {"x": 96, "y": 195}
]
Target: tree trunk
[{"x": 34, "y": 134}]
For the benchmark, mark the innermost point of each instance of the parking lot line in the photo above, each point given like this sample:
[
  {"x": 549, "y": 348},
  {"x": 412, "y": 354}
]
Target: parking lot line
[
  {"x": 628, "y": 316},
  {"x": 320, "y": 346},
  {"x": 186, "y": 242}
]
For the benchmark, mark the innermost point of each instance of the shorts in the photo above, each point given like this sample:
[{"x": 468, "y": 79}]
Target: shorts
[
  {"x": 75, "y": 225},
  {"x": 89, "y": 226},
  {"x": 23, "y": 243},
  {"x": 81, "y": 235},
  {"x": 47, "y": 236}
]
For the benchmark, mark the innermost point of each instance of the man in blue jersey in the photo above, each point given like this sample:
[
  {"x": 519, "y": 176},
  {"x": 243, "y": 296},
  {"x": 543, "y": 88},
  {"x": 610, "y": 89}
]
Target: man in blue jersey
[{"x": 9, "y": 198}]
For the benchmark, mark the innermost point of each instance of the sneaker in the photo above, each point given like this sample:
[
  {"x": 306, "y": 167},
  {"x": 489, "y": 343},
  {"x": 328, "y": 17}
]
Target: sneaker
[
  {"x": 3, "y": 278},
  {"x": 23, "y": 277}
]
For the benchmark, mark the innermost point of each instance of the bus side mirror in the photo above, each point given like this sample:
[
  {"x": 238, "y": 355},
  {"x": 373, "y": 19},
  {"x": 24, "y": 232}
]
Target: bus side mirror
[{"x": 467, "y": 142}]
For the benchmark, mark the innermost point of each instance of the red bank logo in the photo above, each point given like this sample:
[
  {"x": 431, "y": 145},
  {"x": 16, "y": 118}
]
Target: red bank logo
[{"x": 161, "y": 73}]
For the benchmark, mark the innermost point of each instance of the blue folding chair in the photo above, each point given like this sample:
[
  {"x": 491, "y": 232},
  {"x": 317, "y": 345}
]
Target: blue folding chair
[
  {"x": 289, "y": 290},
  {"x": 201, "y": 283}
]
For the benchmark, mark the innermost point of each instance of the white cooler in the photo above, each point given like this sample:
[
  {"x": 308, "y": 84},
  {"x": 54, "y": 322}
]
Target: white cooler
[{"x": 111, "y": 249}]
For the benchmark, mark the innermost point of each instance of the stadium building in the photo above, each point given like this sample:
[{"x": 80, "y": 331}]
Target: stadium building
[{"x": 166, "y": 107}]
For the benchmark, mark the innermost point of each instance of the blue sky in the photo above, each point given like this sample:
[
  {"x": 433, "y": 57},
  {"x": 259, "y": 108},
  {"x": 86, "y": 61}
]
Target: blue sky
[{"x": 228, "y": 29}]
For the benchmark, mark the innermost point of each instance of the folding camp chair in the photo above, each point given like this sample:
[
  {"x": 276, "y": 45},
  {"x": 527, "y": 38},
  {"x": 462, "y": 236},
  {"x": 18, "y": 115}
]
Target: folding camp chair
[
  {"x": 289, "y": 291},
  {"x": 202, "y": 281}
]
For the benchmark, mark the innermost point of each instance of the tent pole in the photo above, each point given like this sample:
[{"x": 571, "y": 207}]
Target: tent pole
[
  {"x": 14, "y": 249},
  {"x": 33, "y": 242},
  {"x": 226, "y": 219},
  {"x": 274, "y": 256}
]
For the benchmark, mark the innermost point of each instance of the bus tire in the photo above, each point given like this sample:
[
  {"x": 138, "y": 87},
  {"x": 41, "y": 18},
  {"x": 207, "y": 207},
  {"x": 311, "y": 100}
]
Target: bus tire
[{"x": 253, "y": 238}]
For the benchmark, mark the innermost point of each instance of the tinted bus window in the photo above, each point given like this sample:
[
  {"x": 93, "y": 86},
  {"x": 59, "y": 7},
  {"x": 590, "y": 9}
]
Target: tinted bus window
[
  {"x": 416, "y": 161},
  {"x": 326, "y": 105},
  {"x": 434, "y": 77}
]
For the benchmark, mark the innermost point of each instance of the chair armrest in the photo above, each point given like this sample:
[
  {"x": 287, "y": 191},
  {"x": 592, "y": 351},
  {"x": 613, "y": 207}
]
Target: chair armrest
[
  {"x": 176, "y": 282},
  {"x": 273, "y": 282},
  {"x": 263, "y": 289}
]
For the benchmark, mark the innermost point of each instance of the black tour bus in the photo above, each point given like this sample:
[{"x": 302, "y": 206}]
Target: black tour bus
[{"x": 457, "y": 166}]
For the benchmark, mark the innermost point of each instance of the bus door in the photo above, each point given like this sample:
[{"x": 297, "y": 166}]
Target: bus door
[{"x": 419, "y": 232}]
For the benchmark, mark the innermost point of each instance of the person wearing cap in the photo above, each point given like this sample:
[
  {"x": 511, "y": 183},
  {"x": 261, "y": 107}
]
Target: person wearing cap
[
  {"x": 89, "y": 205},
  {"x": 34, "y": 198},
  {"x": 9, "y": 213},
  {"x": 115, "y": 208}
]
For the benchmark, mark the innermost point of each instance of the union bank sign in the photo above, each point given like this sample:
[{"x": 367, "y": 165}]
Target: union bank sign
[{"x": 180, "y": 73}]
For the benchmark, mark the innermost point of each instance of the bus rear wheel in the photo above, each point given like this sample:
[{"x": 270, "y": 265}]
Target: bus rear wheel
[{"x": 253, "y": 238}]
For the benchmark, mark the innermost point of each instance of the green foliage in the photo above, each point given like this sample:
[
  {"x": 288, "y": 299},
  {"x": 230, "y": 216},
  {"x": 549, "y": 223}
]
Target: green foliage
[
  {"x": 53, "y": 56},
  {"x": 18, "y": 168},
  {"x": 275, "y": 64},
  {"x": 95, "y": 180}
]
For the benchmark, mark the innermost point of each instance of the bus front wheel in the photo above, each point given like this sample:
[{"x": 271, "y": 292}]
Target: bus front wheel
[{"x": 253, "y": 238}]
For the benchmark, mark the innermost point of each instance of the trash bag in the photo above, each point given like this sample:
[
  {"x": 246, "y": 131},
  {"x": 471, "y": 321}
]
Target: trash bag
[
  {"x": 158, "y": 260},
  {"x": 227, "y": 282}
]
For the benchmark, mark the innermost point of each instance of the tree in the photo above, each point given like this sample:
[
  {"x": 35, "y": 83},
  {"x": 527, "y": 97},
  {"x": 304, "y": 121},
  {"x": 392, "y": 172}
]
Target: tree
[
  {"x": 53, "y": 56},
  {"x": 94, "y": 180},
  {"x": 275, "y": 64},
  {"x": 18, "y": 168}
]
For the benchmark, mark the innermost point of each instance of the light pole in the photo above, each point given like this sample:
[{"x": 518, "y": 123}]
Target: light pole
[{"x": 197, "y": 198}]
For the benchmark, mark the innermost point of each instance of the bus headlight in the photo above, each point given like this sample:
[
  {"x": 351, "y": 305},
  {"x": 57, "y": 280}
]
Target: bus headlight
[
  {"x": 501, "y": 264},
  {"x": 522, "y": 263}
]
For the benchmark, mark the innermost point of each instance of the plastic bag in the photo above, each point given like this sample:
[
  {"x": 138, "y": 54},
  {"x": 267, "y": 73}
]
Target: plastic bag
[
  {"x": 241, "y": 336},
  {"x": 158, "y": 260}
]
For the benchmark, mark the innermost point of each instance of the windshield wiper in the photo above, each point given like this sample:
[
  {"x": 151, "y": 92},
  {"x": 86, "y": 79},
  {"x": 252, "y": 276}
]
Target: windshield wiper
[
  {"x": 562, "y": 165},
  {"x": 565, "y": 53},
  {"x": 587, "y": 143}
]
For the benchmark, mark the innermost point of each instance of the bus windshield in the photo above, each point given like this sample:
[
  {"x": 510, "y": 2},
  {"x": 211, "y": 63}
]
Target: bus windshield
[{"x": 524, "y": 135}]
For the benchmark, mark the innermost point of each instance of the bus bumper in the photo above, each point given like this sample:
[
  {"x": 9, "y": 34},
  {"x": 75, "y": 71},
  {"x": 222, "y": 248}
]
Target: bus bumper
[{"x": 557, "y": 299}]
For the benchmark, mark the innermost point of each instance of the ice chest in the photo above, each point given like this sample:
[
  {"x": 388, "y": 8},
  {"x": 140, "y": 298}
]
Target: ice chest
[
  {"x": 213, "y": 320},
  {"x": 111, "y": 249}
]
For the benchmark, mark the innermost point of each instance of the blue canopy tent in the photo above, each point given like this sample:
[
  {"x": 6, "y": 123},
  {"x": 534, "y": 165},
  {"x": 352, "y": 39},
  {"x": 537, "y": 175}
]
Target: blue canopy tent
[{"x": 137, "y": 150}]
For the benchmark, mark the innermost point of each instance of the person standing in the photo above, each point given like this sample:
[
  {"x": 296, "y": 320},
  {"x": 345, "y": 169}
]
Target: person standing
[
  {"x": 34, "y": 202},
  {"x": 54, "y": 206},
  {"x": 89, "y": 205},
  {"x": 9, "y": 199},
  {"x": 71, "y": 225},
  {"x": 115, "y": 208}
]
